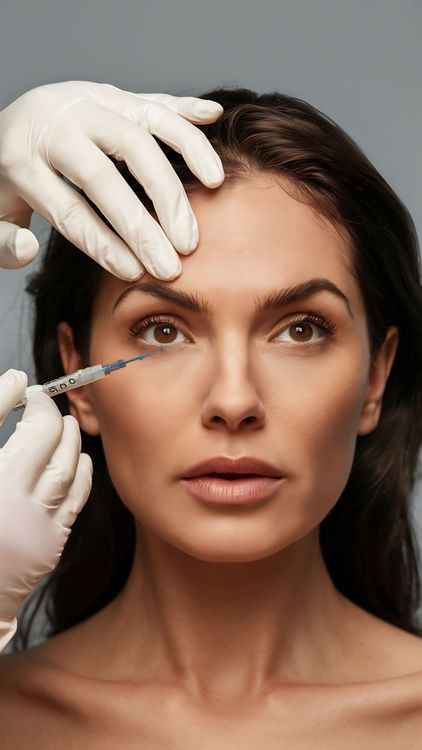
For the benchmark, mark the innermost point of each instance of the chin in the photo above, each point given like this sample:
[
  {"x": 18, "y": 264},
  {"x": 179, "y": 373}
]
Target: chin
[{"x": 231, "y": 547}]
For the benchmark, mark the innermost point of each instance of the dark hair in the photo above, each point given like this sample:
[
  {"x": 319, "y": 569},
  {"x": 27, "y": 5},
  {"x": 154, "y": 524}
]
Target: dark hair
[{"x": 367, "y": 539}]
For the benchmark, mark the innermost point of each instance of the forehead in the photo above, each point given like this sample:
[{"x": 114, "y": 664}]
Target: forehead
[{"x": 255, "y": 236}]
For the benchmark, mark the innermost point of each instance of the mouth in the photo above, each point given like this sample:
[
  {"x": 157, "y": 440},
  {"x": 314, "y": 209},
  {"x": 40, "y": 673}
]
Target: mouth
[
  {"x": 228, "y": 467},
  {"x": 232, "y": 489},
  {"x": 232, "y": 477}
]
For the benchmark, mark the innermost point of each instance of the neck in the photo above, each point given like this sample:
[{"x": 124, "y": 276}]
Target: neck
[{"x": 227, "y": 630}]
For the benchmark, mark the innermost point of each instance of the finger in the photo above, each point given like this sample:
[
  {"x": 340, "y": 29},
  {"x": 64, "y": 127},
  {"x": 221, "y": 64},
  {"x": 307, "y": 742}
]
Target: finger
[
  {"x": 13, "y": 384},
  {"x": 201, "y": 111},
  {"x": 60, "y": 471},
  {"x": 135, "y": 146},
  {"x": 36, "y": 437},
  {"x": 78, "y": 494},
  {"x": 184, "y": 138},
  {"x": 159, "y": 114},
  {"x": 103, "y": 183},
  {"x": 73, "y": 217},
  {"x": 18, "y": 246}
]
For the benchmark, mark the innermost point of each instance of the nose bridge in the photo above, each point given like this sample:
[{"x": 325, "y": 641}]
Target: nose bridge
[
  {"x": 232, "y": 354},
  {"x": 233, "y": 394}
]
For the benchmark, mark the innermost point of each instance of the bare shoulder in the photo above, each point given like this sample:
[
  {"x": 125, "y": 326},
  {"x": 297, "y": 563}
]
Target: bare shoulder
[
  {"x": 35, "y": 704},
  {"x": 18, "y": 719},
  {"x": 382, "y": 650},
  {"x": 25, "y": 682},
  {"x": 386, "y": 687},
  {"x": 13, "y": 668},
  {"x": 52, "y": 689}
]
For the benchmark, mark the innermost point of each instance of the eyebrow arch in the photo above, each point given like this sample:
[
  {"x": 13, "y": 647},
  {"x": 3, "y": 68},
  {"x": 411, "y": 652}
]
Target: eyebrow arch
[{"x": 276, "y": 300}]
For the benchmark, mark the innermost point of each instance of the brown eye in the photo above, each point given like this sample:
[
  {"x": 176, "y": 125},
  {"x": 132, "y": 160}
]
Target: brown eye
[
  {"x": 162, "y": 330},
  {"x": 163, "y": 333},
  {"x": 300, "y": 331}
]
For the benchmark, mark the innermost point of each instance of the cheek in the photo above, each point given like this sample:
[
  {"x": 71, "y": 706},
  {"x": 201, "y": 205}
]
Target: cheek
[
  {"x": 148, "y": 415},
  {"x": 133, "y": 429},
  {"x": 315, "y": 430},
  {"x": 323, "y": 419}
]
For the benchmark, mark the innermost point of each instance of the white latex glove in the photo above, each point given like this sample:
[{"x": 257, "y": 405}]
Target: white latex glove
[
  {"x": 44, "y": 483},
  {"x": 67, "y": 129}
]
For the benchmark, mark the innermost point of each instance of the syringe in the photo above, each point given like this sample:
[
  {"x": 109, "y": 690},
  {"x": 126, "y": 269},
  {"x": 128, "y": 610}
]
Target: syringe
[{"x": 78, "y": 378}]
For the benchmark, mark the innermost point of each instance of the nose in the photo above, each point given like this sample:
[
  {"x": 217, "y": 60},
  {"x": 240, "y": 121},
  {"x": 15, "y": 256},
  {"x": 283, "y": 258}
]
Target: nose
[{"x": 233, "y": 401}]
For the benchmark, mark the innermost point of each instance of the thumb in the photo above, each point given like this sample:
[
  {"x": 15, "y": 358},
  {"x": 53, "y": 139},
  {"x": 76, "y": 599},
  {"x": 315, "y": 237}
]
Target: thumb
[{"x": 18, "y": 246}]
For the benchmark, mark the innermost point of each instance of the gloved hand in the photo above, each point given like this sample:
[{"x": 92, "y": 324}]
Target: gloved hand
[
  {"x": 44, "y": 483},
  {"x": 67, "y": 129}
]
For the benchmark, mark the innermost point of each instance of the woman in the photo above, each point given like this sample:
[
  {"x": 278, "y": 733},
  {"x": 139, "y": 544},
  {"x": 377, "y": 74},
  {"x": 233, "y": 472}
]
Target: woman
[
  {"x": 59, "y": 129},
  {"x": 291, "y": 337}
]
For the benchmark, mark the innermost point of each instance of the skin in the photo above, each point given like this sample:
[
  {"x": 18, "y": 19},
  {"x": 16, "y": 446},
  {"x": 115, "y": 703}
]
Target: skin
[{"x": 227, "y": 604}]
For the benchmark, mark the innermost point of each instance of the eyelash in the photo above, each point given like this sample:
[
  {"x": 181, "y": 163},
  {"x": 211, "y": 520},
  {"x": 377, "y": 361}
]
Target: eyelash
[{"x": 327, "y": 328}]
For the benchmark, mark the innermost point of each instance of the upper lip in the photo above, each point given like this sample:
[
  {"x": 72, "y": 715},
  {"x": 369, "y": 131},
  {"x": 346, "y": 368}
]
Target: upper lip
[{"x": 229, "y": 465}]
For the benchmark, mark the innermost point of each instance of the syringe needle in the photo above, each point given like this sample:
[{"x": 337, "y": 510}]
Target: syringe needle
[
  {"x": 123, "y": 362},
  {"x": 79, "y": 378}
]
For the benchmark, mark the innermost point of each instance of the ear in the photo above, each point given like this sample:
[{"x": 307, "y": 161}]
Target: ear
[
  {"x": 380, "y": 371},
  {"x": 80, "y": 403}
]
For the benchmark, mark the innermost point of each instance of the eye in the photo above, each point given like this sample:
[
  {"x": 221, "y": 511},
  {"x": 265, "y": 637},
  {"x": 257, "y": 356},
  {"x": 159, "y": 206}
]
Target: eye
[
  {"x": 164, "y": 325},
  {"x": 163, "y": 333},
  {"x": 302, "y": 325}
]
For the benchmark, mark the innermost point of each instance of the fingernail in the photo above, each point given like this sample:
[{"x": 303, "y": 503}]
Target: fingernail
[
  {"x": 207, "y": 107},
  {"x": 187, "y": 237},
  {"x": 136, "y": 275},
  {"x": 126, "y": 268},
  {"x": 194, "y": 235},
  {"x": 219, "y": 164},
  {"x": 173, "y": 268},
  {"x": 23, "y": 245},
  {"x": 17, "y": 375},
  {"x": 213, "y": 172}
]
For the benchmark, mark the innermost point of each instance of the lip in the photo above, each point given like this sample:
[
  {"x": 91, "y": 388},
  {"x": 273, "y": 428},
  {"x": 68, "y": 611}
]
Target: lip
[
  {"x": 230, "y": 465},
  {"x": 220, "y": 491}
]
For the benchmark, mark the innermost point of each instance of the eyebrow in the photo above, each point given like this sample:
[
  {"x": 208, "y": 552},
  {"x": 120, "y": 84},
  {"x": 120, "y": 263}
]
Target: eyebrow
[{"x": 274, "y": 301}]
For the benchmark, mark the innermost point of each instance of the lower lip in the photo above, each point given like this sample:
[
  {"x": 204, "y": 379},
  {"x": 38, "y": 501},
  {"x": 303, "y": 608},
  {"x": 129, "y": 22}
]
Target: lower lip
[{"x": 232, "y": 491}]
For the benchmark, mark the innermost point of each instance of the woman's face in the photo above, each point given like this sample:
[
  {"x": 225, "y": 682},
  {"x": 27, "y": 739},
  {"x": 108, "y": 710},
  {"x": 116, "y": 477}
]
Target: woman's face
[{"x": 235, "y": 382}]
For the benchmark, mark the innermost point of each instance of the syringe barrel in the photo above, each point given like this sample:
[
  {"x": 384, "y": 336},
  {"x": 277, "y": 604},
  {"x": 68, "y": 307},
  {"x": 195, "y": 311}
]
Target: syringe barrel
[
  {"x": 73, "y": 380},
  {"x": 64, "y": 383}
]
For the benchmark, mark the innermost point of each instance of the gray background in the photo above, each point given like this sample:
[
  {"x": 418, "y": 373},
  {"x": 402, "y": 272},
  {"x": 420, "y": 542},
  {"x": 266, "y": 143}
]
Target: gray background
[{"x": 358, "y": 61}]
